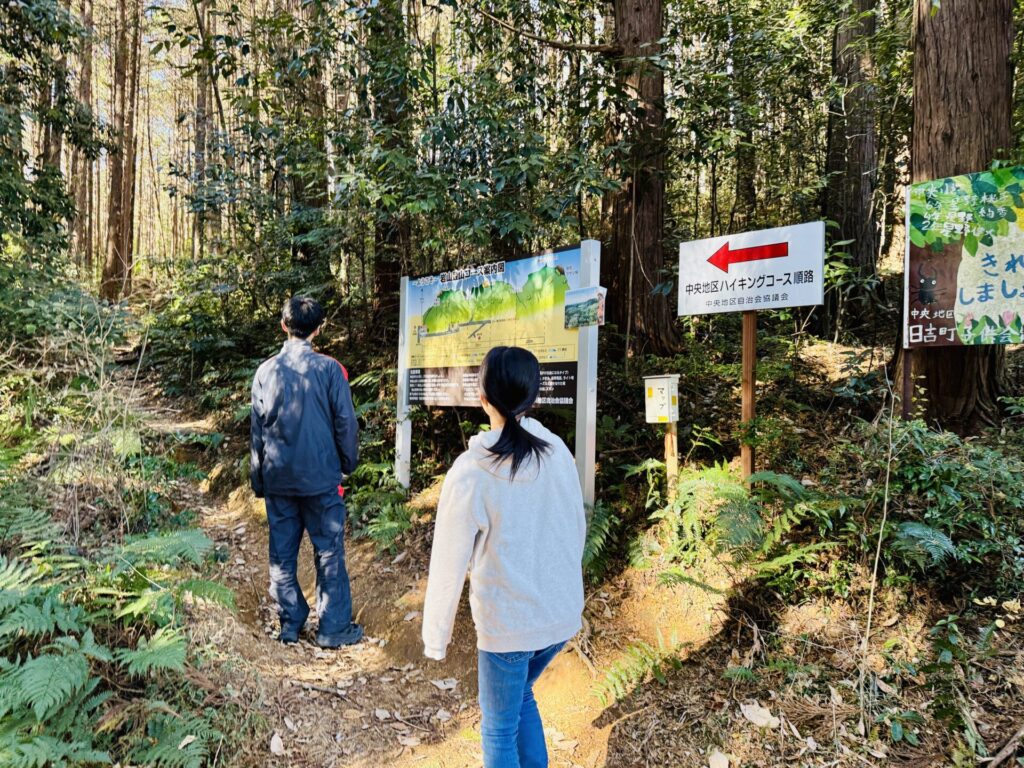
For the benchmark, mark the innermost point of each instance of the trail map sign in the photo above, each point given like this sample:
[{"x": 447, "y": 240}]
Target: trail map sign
[
  {"x": 964, "y": 269},
  {"x": 449, "y": 321},
  {"x": 455, "y": 317},
  {"x": 767, "y": 269}
]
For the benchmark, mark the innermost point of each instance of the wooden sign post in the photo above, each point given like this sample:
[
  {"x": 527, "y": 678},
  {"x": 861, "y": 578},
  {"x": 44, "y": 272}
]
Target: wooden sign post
[
  {"x": 672, "y": 459},
  {"x": 748, "y": 388},
  {"x": 747, "y": 272}
]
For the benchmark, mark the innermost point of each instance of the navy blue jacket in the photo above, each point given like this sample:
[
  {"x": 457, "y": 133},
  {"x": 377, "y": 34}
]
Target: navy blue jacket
[{"x": 303, "y": 426}]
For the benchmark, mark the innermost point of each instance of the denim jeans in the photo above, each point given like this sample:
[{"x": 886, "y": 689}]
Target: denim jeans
[
  {"x": 324, "y": 518},
  {"x": 512, "y": 733}
]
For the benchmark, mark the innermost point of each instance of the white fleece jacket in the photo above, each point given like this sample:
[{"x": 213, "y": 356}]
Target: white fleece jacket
[{"x": 522, "y": 541}]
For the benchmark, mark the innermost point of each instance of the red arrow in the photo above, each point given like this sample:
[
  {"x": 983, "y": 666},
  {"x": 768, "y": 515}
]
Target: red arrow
[{"x": 723, "y": 257}]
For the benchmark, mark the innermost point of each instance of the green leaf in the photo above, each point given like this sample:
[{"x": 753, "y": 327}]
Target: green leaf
[
  {"x": 165, "y": 650},
  {"x": 203, "y": 589},
  {"x": 166, "y": 548},
  {"x": 896, "y": 730},
  {"x": 47, "y": 681}
]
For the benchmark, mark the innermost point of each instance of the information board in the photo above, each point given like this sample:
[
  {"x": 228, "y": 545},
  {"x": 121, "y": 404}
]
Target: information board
[
  {"x": 448, "y": 322},
  {"x": 766, "y": 269},
  {"x": 964, "y": 267},
  {"x": 455, "y": 317}
]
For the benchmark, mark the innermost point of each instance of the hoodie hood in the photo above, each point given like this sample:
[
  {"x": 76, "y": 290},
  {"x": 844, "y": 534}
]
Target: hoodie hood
[{"x": 479, "y": 449}]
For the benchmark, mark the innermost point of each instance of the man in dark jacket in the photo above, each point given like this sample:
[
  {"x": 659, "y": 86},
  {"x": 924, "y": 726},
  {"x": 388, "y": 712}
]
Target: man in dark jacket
[{"x": 304, "y": 440}]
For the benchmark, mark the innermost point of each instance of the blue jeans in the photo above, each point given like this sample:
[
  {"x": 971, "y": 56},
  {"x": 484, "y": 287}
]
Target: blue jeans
[
  {"x": 324, "y": 518},
  {"x": 513, "y": 736}
]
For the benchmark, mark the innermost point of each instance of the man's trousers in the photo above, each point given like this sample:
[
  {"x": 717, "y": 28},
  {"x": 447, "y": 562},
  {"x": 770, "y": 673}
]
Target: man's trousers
[{"x": 323, "y": 517}]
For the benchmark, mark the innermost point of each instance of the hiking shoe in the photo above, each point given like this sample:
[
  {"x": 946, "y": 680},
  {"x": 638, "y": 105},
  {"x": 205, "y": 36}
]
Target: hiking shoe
[
  {"x": 288, "y": 636},
  {"x": 349, "y": 636}
]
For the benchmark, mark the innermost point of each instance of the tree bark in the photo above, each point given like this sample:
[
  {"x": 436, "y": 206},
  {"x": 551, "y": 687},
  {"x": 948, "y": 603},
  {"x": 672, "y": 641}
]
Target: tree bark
[
  {"x": 309, "y": 170},
  {"x": 117, "y": 266},
  {"x": 632, "y": 265},
  {"x": 202, "y": 122},
  {"x": 852, "y": 154},
  {"x": 389, "y": 50},
  {"x": 963, "y": 77},
  {"x": 743, "y": 215},
  {"x": 115, "y": 263},
  {"x": 81, "y": 166}
]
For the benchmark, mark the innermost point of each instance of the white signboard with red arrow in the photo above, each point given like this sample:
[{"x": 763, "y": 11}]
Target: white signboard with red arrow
[{"x": 767, "y": 269}]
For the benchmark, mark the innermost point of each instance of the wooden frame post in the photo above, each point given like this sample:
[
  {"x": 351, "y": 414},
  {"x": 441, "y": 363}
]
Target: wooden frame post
[
  {"x": 672, "y": 459},
  {"x": 403, "y": 425},
  {"x": 586, "y": 379},
  {"x": 748, "y": 388},
  {"x": 908, "y": 383}
]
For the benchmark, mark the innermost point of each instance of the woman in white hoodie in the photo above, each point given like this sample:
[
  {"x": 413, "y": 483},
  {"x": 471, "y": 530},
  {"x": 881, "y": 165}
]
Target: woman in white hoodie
[{"x": 511, "y": 512}]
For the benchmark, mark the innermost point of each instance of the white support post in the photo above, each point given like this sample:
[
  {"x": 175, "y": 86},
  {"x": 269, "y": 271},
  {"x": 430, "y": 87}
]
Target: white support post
[
  {"x": 586, "y": 377},
  {"x": 403, "y": 429}
]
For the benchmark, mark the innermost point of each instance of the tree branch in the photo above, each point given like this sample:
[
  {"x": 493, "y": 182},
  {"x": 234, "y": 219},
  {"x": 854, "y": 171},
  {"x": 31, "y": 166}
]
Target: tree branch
[
  {"x": 559, "y": 45},
  {"x": 1008, "y": 749}
]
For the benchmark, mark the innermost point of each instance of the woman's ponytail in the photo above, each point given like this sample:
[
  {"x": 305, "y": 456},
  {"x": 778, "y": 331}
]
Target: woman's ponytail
[{"x": 510, "y": 379}]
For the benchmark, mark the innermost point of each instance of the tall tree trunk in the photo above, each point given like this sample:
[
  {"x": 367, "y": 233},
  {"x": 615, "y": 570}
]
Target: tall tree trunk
[
  {"x": 388, "y": 50},
  {"x": 53, "y": 136},
  {"x": 213, "y": 217},
  {"x": 81, "y": 166},
  {"x": 131, "y": 129},
  {"x": 202, "y": 123},
  {"x": 116, "y": 279},
  {"x": 852, "y": 154},
  {"x": 962, "y": 100},
  {"x": 632, "y": 266},
  {"x": 743, "y": 215},
  {"x": 115, "y": 261},
  {"x": 309, "y": 176}
]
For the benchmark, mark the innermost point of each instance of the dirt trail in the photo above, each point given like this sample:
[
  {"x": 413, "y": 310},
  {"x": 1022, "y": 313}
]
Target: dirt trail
[{"x": 381, "y": 702}]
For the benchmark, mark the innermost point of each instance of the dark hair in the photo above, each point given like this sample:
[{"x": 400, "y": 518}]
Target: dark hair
[
  {"x": 510, "y": 380},
  {"x": 302, "y": 315}
]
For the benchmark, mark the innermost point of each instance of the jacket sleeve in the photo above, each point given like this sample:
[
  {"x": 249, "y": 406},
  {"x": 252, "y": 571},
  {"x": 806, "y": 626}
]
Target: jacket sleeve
[
  {"x": 346, "y": 426},
  {"x": 256, "y": 439},
  {"x": 459, "y": 515}
]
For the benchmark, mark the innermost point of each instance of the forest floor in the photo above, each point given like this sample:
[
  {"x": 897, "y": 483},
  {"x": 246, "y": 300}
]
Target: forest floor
[{"x": 382, "y": 703}]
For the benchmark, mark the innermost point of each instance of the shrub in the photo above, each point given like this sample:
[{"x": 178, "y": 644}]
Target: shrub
[
  {"x": 954, "y": 515},
  {"x": 955, "y": 506}
]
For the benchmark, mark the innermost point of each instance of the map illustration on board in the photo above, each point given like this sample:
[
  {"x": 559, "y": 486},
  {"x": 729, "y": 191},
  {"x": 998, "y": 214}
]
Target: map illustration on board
[{"x": 455, "y": 317}]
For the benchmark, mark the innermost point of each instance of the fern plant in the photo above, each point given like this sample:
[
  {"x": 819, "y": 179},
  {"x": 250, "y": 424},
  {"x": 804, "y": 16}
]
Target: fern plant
[
  {"x": 163, "y": 651},
  {"x": 922, "y": 545},
  {"x": 58, "y": 683},
  {"x": 642, "y": 660},
  {"x": 601, "y": 522},
  {"x": 174, "y": 740},
  {"x": 390, "y": 524}
]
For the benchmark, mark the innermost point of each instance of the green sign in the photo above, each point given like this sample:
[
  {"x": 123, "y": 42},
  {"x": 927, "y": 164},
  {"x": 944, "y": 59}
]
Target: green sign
[{"x": 964, "y": 278}]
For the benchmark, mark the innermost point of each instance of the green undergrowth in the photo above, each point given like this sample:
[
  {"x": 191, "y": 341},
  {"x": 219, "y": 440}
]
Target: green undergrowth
[
  {"x": 99, "y": 567},
  {"x": 946, "y": 514}
]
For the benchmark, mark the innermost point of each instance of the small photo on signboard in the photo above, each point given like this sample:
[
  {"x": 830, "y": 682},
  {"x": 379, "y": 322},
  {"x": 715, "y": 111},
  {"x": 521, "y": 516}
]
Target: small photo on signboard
[
  {"x": 964, "y": 269},
  {"x": 585, "y": 306}
]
